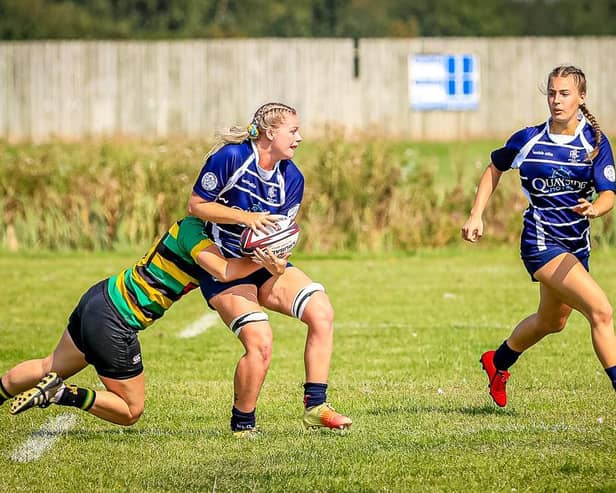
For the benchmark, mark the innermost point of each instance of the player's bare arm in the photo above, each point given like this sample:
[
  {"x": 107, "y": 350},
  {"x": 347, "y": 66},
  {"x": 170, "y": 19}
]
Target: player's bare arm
[
  {"x": 220, "y": 213},
  {"x": 598, "y": 208},
  {"x": 472, "y": 230}
]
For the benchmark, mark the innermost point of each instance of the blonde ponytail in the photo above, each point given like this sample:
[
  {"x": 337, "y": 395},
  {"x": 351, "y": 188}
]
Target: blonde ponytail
[
  {"x": 598, "y": 134},
  {"x": 233, "y": 135},
  {"x": 268, "y": 116}
]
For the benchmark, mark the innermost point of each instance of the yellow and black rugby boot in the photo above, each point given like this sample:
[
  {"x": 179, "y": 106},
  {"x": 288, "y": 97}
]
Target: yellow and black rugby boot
[{"x": 40, "y": 395}]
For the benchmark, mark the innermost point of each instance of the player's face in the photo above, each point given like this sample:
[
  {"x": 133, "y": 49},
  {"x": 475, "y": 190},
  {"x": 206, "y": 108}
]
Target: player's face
[
  {"x": 564, "y": 100},
  {"x": 286, "y": 138}
]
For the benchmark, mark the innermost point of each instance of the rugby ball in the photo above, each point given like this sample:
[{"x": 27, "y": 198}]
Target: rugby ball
[{"x": 280, "y": 239}]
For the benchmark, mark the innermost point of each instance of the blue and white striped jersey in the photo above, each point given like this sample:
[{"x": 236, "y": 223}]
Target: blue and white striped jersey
[
  {"x": 233, "y": 178},
  {"x": 554, "y": 175}
]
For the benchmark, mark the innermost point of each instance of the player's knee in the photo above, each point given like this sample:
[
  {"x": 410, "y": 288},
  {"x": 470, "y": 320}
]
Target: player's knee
[
  {"x": 555, "y": 329},
  {"x": 320, "y": 314},
  {"x": 553, "y": 322},
  {"x": 46, "y": 364},
  {"x": 557, "y": 325},
  {"x": 261, "y": 349},
  {"x": 320, "y": 310},
  {"x": 265, "y": 352},
  {"x": 265, "y": 356},
  {"x": 602, "y": 315},
  {"x": 135, "y": 411},
  {"x": 258, "y": 343}
]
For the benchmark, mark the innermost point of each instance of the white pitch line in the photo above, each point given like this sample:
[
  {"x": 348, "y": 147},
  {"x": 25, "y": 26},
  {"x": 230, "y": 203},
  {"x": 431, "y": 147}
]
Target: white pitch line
[
  {"x": 43, "y": 439},
  {"x": 199, "y": 326}
]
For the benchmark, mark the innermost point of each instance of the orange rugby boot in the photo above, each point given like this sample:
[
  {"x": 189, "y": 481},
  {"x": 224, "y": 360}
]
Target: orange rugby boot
[{"x": 325, "y": 416}]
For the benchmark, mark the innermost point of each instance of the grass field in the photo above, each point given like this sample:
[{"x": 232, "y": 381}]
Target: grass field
[{"x": 409, "y": 333}]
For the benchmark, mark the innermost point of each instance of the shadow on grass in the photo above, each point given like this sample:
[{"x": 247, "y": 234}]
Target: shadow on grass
[
  {"x": 132, "y": 433},
  {"x": 192, "y": 434},
  {"x": 484, "y": 410}
]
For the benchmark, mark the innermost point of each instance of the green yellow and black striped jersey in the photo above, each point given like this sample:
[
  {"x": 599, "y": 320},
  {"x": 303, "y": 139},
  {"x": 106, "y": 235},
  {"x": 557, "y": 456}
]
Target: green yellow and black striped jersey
[{"x": 169, "y": 270}]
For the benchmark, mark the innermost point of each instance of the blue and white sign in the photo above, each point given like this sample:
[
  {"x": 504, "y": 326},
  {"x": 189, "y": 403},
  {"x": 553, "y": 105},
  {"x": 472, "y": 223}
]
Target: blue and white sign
[{"x": 443, "y": 82}]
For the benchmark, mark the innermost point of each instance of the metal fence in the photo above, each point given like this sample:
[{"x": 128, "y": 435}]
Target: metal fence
[{"x": 162, "y": 89}]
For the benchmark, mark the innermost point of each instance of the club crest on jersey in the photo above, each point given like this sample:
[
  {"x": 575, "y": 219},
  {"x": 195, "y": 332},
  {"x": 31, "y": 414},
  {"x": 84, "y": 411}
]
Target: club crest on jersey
[
  {"x": 574, "y": 156},
  {"x": 209, "y": 181},
  {"x": 560, "y": 181},
  {"x": 610, "y": 173},
  {"x": 271, "y": 192}
]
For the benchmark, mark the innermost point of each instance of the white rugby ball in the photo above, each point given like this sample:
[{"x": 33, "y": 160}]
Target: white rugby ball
[{"x": 280, "y": 239}]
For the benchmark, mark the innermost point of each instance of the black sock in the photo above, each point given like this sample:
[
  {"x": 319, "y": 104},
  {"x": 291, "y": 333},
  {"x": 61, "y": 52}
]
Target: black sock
[
  {"x": 611, "y": 372},
  {"x": 4, "y": 395},
  {"x": 314, "y": 394},
  {"x": 504, "y": 357},
  {"x": 241, "y": 420},
  {"x": 77, "y": 397}
]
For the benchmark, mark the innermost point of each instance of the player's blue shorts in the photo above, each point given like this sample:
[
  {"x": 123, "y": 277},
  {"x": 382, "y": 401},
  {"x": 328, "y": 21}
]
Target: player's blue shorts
[
  {"x": 210, "y": 286},
  {"x": 535, "y": 259}
]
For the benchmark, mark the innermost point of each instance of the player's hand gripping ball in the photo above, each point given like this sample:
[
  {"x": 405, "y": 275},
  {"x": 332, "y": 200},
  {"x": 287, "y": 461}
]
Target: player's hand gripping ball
[{"x": 280, "y": 239}]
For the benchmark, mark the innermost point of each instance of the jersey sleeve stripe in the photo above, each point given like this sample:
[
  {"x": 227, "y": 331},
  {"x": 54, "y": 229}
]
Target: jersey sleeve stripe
[
  {"x": 174, "y": 230},
  {"x": 199, "y": 247}
]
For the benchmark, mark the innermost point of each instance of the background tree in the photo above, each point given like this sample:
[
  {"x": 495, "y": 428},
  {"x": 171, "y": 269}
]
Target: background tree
[{"x": 156, "y": 19}]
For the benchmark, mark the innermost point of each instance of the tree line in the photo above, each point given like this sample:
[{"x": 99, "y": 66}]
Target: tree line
[{"x": 181, "y": 19}]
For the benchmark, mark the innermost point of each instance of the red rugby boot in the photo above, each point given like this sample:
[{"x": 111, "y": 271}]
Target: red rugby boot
[{"x": 498, "y": 379}]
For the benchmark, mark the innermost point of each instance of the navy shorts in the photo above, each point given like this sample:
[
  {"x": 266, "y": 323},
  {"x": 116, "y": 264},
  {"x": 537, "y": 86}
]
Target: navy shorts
[
  {"x": 533, "y": 261},
  {"x": 107, "y": 342},
  {"x": 210, "y": 286}
]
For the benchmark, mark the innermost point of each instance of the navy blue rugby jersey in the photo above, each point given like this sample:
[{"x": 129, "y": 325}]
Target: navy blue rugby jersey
[
  {"x": 554, "y": 175},
  {"x": 232, "y": 177}
]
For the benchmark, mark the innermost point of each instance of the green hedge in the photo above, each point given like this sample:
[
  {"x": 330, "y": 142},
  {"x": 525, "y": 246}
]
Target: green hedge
[{"x": 361, "y": 195}]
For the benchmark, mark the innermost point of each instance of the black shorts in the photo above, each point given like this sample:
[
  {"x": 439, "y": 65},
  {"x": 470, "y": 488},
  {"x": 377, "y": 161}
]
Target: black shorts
[{"x": 99, "y": 332}]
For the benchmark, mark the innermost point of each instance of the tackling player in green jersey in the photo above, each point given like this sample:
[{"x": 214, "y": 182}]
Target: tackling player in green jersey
[{"x": 102, "y": 329}]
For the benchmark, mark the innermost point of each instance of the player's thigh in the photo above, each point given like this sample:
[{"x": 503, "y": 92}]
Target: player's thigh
[
  {"x": 295, "y": 294},
  {"x": 236, "y": 301},
  {"x": 66, "y": 359},
  {"x": 573, "y": 284},
  {"x": 278, "y": 292},
  {"x": 240, "y": 310}
]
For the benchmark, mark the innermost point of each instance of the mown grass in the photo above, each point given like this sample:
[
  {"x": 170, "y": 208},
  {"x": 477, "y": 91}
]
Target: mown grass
[{"x": 409, "y": 332}]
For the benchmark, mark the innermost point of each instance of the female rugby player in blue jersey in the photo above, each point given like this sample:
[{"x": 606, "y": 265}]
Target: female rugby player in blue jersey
[
  {"x": 562, "y": 163},
  {"x": 102, "y": 330},
  {"x": 249, "y": 179}
]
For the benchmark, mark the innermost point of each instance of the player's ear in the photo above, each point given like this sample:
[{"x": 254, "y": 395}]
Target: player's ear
[{"x": 269, "y": 133}]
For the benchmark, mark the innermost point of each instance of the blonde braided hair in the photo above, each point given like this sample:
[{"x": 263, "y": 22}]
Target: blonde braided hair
[
  {"x": 268, "y": 116},
  {"x": 580, "y": 81}
]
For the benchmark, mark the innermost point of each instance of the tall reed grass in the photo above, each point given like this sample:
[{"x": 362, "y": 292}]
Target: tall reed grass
[{"x": 363, "y": 195}]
